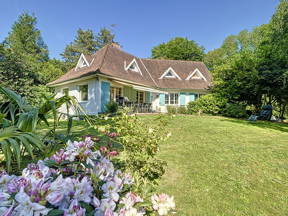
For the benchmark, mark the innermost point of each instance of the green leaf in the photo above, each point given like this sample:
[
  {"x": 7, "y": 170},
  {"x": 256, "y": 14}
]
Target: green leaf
[{"x": 55, "y": 212}]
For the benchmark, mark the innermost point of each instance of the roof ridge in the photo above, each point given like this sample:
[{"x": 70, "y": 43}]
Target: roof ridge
[
  {"x": 150, "y": 59},
  {"x": 148, "y": 72},
  {"x": 102, "y": 62}
]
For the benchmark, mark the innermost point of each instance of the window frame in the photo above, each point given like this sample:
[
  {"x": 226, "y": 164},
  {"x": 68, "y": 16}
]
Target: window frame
[
  {"x": 139, "y": 98},
  {"x": 116, "y": 90},
  {"x": 80, "y": 93},
  {"x": 175, "y": 98}
]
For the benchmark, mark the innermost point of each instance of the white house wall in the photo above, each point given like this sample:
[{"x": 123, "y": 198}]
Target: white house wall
[{"x": 92, "y": 106}]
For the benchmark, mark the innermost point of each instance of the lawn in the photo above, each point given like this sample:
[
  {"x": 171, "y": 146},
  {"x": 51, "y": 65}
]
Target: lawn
[{"x": 222, "y": 166}]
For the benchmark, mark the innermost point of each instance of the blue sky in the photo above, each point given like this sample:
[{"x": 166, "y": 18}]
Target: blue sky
[{"x": 140, "y": 25}]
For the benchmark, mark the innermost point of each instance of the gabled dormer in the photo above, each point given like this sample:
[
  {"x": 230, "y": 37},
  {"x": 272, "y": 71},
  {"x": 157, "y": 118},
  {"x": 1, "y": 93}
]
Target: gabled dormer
[
  {"x": 170, "y": 74},
  {"x": 133, "y": 66},
  {"x": 196, "y": 75},
  {"x": 82, "y": 62}
]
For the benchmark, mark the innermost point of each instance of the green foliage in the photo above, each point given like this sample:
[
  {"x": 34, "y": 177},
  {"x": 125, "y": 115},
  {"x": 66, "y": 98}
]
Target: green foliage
[
  {"x": 88, "y": 43},
  {"x": 112, "y": 107},
  {"x": 235, "y": 110},
  {"x": 14, "y": 144},
  {"x": 237, "y": 80},
  {"x": 177, "y": 109},
  {"x": 179, "y": 49},
  {"x": 26, "y": 40},
  {"x": 172, "y": 109},
  {"x": 15, "y": 73},
  {"x": 19, "y": 119},
  {"x": 140, "y": 146},
  {"x": 209, "y": 104}
]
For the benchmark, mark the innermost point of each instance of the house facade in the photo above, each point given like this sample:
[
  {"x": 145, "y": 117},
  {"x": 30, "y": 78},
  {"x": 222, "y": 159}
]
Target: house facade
[{"x": 114, "y": 75}]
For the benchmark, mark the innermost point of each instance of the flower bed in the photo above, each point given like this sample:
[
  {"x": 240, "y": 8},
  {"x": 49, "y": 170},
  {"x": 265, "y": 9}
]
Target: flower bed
[{"x": 76, "y": 181}]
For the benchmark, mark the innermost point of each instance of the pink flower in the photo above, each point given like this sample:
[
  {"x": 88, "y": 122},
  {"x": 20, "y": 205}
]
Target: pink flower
[
  {"x": 113, "y": 153},
  {"x": 112, "y": 134}
]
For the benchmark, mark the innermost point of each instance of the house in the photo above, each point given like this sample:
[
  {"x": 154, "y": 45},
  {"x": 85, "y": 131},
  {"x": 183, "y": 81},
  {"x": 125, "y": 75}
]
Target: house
[{"x": 112, "y": 75}]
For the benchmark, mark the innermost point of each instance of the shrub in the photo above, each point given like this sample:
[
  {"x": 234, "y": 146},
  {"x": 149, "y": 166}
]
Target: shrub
[
  {"x": 235, "y": 110},
  {"x": 209, "y": 104},
  {"x": 182, "y": 110},
  {"x": 77, "y": 180},
  {"x": 171, "y": 109},
  {"x": 112, "y": 107},
  {"x": 140, "y": 145}
]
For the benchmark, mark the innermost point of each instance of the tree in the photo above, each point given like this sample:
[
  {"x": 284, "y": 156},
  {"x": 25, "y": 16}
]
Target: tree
[
  {"x": 88, "y": 43},
  {"x": 26, "y": 40},
  {"x": 237, "y": 79},
  {"x": 15, "y": 73},
  {"x": 273, "y": 57},
  {"x": 179, "y": 49}
]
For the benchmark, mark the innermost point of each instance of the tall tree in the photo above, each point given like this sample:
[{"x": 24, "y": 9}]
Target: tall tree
[
  {"x": 179, "y": 49},
  {"x": 15, "y": 73},
  {"x": 273, "y": 57},
  {"x": 25, "y": 39},
  {"x": 88, "y": 43}
]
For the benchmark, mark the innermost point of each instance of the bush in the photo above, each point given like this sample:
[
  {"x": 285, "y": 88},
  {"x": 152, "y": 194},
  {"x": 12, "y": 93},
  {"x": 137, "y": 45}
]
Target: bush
[
  {"x": 235, "y": 110},
  {"x": 171, "y": 109},
  {"x": 209, "y": 104},
  {"x": 78, "y": 180},
  {"x": 140, "y": 144},
  {"x": 182, "y": 110},
  {"x": 112, "y": 107}
]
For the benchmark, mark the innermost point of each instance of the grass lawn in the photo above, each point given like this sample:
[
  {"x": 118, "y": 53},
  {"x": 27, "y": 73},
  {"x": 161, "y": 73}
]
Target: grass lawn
[{"x": 221, "y": 166}]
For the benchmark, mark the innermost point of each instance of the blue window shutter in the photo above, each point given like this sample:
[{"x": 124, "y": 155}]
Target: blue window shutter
[
  {"x": 191, "y": 97},
  {"x": 162, "y": 99},
  {"x": 105, "y": 95},
  {"x": 182, "y": 98}
]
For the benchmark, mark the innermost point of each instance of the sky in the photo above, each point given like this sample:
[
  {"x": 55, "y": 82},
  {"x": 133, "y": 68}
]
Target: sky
[{"x": 140, "y": 25}]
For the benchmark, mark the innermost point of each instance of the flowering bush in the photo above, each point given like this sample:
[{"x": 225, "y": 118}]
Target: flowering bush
[{"x": 76, "y": 181}]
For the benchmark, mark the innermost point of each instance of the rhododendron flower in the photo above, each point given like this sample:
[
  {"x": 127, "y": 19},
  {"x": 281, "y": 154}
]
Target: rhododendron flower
[
  {"x": 74, "y": 209},
  {"x": 113, "y": 153},
  {"x": 26, "y": 207},
  {"x": 59, "y": 156},
  {"x": 112, "y": 134},
  {"x": 4, "y": 199},
  {"x": 111, "y": 190},
  {"x": 162, "y": 203},
  {"x": 16, "y": 184},
  {"x": 130, "y": 200},
  {"x": 131, "y": 212},
  {"x": 83, "y": 190},
  {"x": 103, "y": 169},
  {"x": 60, "y": 191}
]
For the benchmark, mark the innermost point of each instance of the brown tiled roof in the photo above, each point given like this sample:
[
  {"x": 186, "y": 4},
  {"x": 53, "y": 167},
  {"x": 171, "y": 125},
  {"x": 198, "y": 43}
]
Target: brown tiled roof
[{"x": 111, "y": 61}]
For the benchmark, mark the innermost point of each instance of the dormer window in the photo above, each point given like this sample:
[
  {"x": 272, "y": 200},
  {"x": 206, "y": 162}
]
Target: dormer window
[
  {"x": 196, "y": 75},
  {"x": 133, "y": 66},
  {"x": 82, "y": 62},
  {"x": 170, "y": 73}
]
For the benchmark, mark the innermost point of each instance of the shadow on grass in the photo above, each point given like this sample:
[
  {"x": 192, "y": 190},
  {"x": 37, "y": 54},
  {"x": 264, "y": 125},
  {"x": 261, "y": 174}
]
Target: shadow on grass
[{"x": 283, "y": 127}]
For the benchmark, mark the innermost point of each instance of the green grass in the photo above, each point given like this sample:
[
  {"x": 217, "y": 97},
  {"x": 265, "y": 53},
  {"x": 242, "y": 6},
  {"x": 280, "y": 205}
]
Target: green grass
[{"x": 221, "y": 166}]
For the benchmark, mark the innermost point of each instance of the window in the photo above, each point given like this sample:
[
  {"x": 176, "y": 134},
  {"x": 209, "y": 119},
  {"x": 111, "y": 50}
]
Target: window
[
  {"x": 172, "y": 99},
  {"x": 66, "y": 91},
  {"x": 196, "y": 74},
  {"x": 83, "y": 92},
  {"x": 170, "y": 73},
  {"x": 140, "y": 97},
  {"x": 115, "y": 93},
  {"x": 133, "y": 66}
]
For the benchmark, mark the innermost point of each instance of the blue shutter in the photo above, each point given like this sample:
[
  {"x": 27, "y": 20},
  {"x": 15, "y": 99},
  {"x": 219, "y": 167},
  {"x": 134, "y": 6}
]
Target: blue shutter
[
  {"x": 105, "y": 95},
  {"x": 182, "y": 98},
  {"x": 191, "y": 97},
  {"x": 162, "y": 99}
]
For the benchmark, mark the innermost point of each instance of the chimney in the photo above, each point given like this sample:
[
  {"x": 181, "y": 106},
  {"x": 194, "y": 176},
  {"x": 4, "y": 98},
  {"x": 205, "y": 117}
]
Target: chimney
[{"x": 116, "y": 45}]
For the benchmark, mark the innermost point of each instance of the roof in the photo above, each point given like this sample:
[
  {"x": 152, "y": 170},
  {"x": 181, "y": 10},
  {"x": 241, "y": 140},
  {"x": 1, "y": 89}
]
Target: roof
[{"x": 111, "y": 61}]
